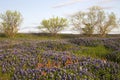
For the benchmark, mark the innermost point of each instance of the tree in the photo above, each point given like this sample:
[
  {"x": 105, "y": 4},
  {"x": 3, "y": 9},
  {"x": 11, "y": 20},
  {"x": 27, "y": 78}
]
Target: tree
[
  {"x": 91, "y": 20},
  {"x": 94, "y": 21},
  {"x": 77, "y": 21},
  {"x": 10, "y": 21},
  {"x": 88, "y": 29},
  {"x": 107, "y": 24},
  {"x": 85, "y": 22},
  {"x": 53, "y": 25},
  {"x": 1, "y": 27}
]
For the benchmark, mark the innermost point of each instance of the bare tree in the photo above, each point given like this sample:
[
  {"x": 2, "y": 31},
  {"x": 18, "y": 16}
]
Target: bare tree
[
  {"x": 10, "y": 23},
  {"x": 95, "y": 20},
  {"x": 85, "y": 22},
  {"x": 91, "y": 20},
  {"x": 77, "y": 21},
  {"x": 107, "y": 23}
]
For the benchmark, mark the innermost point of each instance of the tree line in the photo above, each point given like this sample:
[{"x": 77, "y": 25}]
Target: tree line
[{"x": 93, "y": 21}]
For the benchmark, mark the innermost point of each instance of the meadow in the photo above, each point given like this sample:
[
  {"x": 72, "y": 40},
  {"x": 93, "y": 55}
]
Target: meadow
[{"x": 61, "y": 57}]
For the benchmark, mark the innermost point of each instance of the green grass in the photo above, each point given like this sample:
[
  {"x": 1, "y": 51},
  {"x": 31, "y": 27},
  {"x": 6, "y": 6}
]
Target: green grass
[{"x": 95, "y": 52}]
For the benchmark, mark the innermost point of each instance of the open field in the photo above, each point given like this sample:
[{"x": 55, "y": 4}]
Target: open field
[{"x": 64, "y": 57}]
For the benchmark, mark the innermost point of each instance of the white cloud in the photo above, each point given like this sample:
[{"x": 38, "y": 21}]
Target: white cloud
[{"x": 70, "y": 2}]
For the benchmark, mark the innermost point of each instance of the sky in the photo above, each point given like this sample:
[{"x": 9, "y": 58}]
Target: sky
[{"x": 34, "y": 11}]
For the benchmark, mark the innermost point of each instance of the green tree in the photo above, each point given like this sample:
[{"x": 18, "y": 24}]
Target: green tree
[
  {"x": 10, "y": 21},
  {"x": 53, "y": 25}
]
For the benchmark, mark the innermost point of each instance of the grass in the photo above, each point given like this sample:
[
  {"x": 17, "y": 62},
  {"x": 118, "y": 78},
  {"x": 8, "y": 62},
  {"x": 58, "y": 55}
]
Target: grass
[{"x": 95, "y": 52}]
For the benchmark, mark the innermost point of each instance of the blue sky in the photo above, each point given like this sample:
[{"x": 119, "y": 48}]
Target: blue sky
[{"x": 33, "y": 11}]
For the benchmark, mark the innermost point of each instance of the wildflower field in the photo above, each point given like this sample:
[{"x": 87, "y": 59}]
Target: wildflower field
[{"x": 60, "y": 59}]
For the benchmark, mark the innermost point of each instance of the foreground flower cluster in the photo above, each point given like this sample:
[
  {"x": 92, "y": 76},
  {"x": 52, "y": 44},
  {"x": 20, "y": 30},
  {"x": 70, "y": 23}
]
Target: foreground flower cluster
[{"x": 53, "y": 60}]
